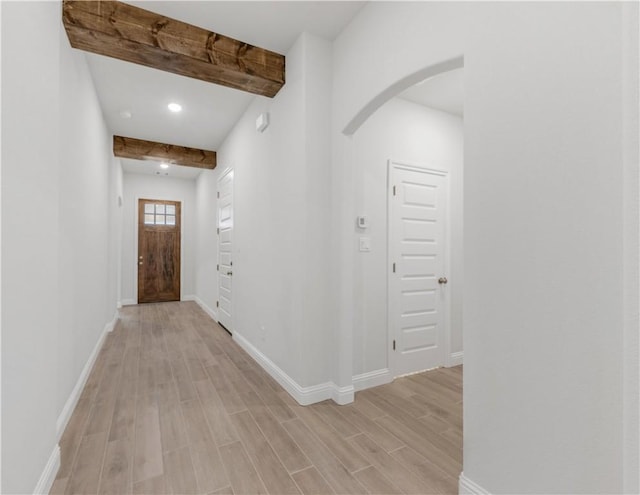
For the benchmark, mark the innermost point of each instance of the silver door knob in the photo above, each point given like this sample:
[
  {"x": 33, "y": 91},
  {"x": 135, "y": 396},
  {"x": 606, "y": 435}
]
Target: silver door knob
[
  {"x": 229, "y": 273},
  {"x": 442, "y": 280}
]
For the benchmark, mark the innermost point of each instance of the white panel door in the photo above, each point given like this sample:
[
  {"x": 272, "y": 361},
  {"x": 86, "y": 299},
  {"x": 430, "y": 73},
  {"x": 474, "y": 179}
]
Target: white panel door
[
  {"x": 225, "y": 239},
  {"x": 417, "y": 279}
]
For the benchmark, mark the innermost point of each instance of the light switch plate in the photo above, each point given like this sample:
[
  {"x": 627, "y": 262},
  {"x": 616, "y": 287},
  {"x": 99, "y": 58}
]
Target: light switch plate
[{"x": 365, "y": 244}]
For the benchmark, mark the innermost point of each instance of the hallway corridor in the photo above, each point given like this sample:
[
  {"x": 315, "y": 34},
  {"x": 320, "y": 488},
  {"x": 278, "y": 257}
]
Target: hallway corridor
[{"x": 173, "y": 405}]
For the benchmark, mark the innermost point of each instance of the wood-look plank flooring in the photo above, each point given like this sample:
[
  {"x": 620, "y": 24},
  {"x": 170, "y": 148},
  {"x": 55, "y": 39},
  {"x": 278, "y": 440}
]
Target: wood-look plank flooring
[{"x": 173, "y": 405}]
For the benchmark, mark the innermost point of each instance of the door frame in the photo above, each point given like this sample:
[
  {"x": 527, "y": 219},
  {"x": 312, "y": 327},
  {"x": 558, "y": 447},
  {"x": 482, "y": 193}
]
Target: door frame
[
  {"x": 227, "y": 170},
  {"x": 392, "y": 361},
  {"x": 136, "y": 242}
]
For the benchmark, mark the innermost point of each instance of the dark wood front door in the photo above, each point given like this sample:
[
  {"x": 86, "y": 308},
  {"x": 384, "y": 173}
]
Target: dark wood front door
[{"x": 158, "y": 251}]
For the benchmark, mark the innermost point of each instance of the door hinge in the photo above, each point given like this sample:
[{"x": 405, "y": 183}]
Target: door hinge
[
  {"x": 394, "y": 268},
  {"x": 394, "y": 345},
  {"x": 218, "y": 194},
  {"x": 218, "y": 267},
  {"x": 218, "y": 231},
  {"x": 394, "y": 190},
  {"x": 217, "y": 304}
]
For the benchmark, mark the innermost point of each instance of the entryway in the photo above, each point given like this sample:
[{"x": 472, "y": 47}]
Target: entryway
[{"x": 158, "y": 250}]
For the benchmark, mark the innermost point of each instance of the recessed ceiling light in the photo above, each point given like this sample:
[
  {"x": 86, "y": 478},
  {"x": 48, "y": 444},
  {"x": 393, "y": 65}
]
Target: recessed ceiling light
[
  {"x": 164, "y": 165},
  {"x": 174, "y": 107}
]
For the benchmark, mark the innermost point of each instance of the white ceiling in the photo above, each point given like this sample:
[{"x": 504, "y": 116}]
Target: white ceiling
[
  {"x": 443, "y": 92},
  {"x": 152, "y": 167},
  {"x": 209, "y": 111}
]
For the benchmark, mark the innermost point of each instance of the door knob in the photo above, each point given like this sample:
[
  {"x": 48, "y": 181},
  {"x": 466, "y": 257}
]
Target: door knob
[
  {"x": 442, "y": 280},
  {"x": 229, "y": 273}
]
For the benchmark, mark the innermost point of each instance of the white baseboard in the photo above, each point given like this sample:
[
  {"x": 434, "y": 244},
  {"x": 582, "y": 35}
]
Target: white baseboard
[
  {"x": 372, "y": 379},
  {"x": 128, "y": 302},
  {"x": 303, "y": 395},
  {"x": 70, "y": 405},
  {"x": 190, "y": 297},
  {"x": 210, "y": 311},
  {"x": 468, "y": 487},
  {"x": 455, "y": 359},
  {"x": 48, "y": 476}
]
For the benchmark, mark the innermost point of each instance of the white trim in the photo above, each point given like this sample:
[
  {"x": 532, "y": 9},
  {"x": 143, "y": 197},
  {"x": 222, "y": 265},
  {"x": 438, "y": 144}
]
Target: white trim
[
  {"x": 190, "y": 297},
  {"x": 128, "y": 302},
  {"x": 210, "y": 311},
  {"x": 468, "y": 487},
  {"x": 372, "y": 379},
  {"x": 303, "y": 395},
  {"x": 48, "y": 476},
  {"x": 70, "y": 405},
  {"x": 455, "y": 359}
]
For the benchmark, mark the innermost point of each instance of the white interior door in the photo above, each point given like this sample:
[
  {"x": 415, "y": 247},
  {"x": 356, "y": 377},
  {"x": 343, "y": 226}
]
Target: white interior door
[
  {"x": 417, "y": 278},
  {"x": 225, "y": 239}
]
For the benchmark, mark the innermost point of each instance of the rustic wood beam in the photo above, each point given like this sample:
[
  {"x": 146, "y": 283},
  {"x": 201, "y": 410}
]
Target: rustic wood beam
[
  {"x": 129, "y": 33},
  {"x": 139, "y": 149}
]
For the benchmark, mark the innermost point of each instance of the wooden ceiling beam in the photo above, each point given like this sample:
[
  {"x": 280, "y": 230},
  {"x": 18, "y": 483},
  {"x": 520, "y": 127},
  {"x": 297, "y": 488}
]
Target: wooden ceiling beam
[
  {"x": 129, "y": 33},
  {"x": 138, "y": 149}
]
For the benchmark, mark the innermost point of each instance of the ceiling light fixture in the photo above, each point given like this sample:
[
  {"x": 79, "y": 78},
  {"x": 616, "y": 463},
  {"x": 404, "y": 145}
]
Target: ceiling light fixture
[
  {"x": 174, "y": 107},
  {"x": 164, "y": 165}
]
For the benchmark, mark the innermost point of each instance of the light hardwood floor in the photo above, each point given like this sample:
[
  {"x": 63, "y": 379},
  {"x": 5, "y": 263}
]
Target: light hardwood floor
[{"x": 173, "y": 405}]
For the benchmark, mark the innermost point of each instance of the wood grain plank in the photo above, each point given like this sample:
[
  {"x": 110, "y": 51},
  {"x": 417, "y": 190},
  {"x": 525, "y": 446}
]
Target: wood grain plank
[
  {"x": 208, "y": 466},
  {"x": 244, "y": 477},
  {"x": 391, "y": 468},
  {"x": 423, "y": 446},
  {"x": 116, "y": 472},
  {"x": 155, "y": 485},
  {"x": 339, "y": 447},
  {"x": 336, "y": 475},
  {"x": 215, "y": 413},
  {"x": 381, "y": 436},
  {"x": 147, "y": 460},
  {"x": 426, "y": 470},
  {"x": 311, "y": 482},
  {"x": 86, "y": 470},
  {"x": 376, "y": 483},
  {"x": 273, "y": 474},
  {"x": 231, "y": 400},
  {"x": 180, "y": 476},
  {"x": 172, "y": 428},
  {"x": 286, "y": 449}
]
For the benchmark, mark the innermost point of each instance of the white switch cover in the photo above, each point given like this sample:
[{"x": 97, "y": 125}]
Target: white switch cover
[{"x": 365, "y": 244}]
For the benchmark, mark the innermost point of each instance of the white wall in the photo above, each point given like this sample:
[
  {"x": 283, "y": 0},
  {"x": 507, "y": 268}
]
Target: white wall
[
  {"x": 280, "y": 220},
  {"x": 142, "y": 186},
  {"x": 408, "y": 133},
  {"x": 543, "y": 233},
  {"x": 57, "y": 219},
  {"x": 206, "y": 249}
]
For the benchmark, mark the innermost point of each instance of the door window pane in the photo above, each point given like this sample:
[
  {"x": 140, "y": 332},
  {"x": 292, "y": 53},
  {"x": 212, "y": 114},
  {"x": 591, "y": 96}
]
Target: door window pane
[
  {"x": 171, "y": 220},
  {"x": 148, "y": 219},
  {"x": 160, "y": 209},
  {"x": 159, "y": 219},
  {"x": 148, "y": 208},
  {"x": 170, "y": 209}
]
